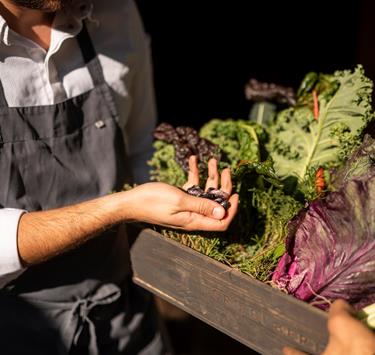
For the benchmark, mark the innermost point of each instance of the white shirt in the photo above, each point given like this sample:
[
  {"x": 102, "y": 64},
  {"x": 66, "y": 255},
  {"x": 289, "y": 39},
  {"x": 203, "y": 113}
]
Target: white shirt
[{"x": 32, "y": 77}]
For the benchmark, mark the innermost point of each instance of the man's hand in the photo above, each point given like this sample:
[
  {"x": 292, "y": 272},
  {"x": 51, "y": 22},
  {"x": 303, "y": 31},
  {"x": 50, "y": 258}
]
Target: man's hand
[
  {"x": 165, "y": 205},
  {"x": 45, "y": 234},
  {"x": 347, "y": 335}
]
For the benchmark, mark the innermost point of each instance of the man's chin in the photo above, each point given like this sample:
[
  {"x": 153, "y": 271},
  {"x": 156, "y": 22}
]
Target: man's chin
[
  {"x": 41, "y": 5},
  {"x": 51, "y": 9}
]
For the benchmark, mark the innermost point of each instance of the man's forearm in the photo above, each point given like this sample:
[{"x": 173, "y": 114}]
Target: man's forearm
[{"x": 45, "y": 234}]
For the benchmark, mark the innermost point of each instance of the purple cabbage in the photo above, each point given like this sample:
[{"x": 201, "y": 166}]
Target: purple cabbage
[{"x": 330, "y": 249}]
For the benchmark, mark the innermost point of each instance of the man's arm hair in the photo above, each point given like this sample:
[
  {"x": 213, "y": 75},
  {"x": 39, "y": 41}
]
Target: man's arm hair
[{"x": 45, "y": 234}]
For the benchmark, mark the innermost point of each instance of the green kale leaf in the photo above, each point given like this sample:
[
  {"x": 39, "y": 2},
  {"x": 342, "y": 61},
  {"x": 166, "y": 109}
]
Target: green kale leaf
[
  {"x": 237, "y": 139},
  {"x": 300, "y": 143},
  {"x": 164, "y": 167}
]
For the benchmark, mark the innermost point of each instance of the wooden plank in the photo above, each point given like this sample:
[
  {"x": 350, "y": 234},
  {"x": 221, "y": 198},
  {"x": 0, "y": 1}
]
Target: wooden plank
[{"x": 251, "y": 312}]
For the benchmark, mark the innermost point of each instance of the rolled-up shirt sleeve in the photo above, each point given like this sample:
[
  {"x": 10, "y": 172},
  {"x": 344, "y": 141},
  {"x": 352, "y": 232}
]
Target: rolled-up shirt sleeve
[{"x": 10, "y": 262}]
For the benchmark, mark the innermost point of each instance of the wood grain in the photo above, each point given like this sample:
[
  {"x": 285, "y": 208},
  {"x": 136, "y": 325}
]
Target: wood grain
[{"x": 263, "y": 318}]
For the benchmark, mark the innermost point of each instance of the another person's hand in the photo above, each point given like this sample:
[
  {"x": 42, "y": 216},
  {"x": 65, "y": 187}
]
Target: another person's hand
[
  {"x": 347, "y": 335},
  {"x": 162, "y": 204}
]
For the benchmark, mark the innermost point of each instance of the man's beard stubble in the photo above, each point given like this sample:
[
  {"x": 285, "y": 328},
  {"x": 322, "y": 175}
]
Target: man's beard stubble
[{"x": 43, "y": 5}]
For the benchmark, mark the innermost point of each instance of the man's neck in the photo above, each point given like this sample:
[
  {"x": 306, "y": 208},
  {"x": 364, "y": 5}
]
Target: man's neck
[{"x": 33, "y": 24}]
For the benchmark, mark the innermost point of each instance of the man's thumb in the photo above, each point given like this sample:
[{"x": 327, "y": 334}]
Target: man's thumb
[{"x": 205, "y": 207}]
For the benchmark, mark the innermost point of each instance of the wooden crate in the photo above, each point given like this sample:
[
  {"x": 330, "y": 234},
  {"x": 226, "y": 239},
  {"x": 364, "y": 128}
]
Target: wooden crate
[{"x": 263, "y": 318}]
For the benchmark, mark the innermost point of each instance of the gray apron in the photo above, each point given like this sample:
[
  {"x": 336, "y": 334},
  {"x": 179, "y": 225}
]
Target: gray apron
[{"x": 57, "y": 155}]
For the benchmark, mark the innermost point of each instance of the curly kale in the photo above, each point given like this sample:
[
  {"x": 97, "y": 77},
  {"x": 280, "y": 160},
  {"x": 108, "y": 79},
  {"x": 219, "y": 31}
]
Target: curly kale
[
  {"x": 164, "y": 167},
  {"x": 237, "y": 139},
  {"x": 324, "y": 127}
]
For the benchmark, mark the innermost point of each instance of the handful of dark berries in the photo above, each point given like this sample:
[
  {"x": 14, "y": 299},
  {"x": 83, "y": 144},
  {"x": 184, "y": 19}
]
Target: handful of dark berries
[{"x": 216, "y": 195}]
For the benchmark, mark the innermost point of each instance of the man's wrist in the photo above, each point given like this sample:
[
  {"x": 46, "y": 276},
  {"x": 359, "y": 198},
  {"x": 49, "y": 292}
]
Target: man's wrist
[{"x": 121, "y": 207}]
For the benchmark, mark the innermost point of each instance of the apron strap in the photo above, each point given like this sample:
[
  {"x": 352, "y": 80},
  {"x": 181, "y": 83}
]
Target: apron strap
[
  {"x": 3, "y": 100},
  {"x": 95, "y": 68},
  {"x": 90, "y": 56},
  {"x": 75, "y": 316},
  {"x": 107, "y": 294}
]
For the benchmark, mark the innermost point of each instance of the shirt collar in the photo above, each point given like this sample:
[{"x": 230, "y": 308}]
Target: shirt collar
[
  {"x": 79, "y": 10},
  {"x": 4, "y": 31}
]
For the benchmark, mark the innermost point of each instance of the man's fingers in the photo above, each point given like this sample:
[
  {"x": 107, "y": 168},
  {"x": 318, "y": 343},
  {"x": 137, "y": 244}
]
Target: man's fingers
[
  {"x": 203, "y": 206},
  {"x": 341, "y": 307},
  {"x": 232, "y": 210},
  {"x": 341, "y": 316},
  {"x": 207, "y": 215},
  {"x": 193, "y": 176},
  {"x": 213, "y": 175},
  {"x": 207, "y": 223},
  {"x": 291, "y": 351},
  {"x": 226, "y": 181}
]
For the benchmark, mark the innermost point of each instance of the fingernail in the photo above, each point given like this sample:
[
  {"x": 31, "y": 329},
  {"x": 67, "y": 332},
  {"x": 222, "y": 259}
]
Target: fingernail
[{"x": 218, "y": 212}]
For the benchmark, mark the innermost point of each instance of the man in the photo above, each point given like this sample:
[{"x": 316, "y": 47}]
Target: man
[
  {"x": 76, "y": 115},
  {"x": 347, "y": 335}
]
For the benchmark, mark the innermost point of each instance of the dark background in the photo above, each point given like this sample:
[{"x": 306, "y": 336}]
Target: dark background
[{"x": 204, "y": 52}]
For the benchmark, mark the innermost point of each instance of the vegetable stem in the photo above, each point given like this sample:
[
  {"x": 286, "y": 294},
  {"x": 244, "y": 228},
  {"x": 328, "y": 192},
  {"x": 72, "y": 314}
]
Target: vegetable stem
[
  {"x": 319, "y": 180},
  {"x": 316, "y": 104}
]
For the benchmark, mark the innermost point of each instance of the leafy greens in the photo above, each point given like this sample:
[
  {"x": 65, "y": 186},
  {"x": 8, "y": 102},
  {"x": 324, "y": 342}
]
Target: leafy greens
[
  {"x": 331, "y": 244},
  {"x": 275, "y": 167},
  {"x": 301, "y": 143}
]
